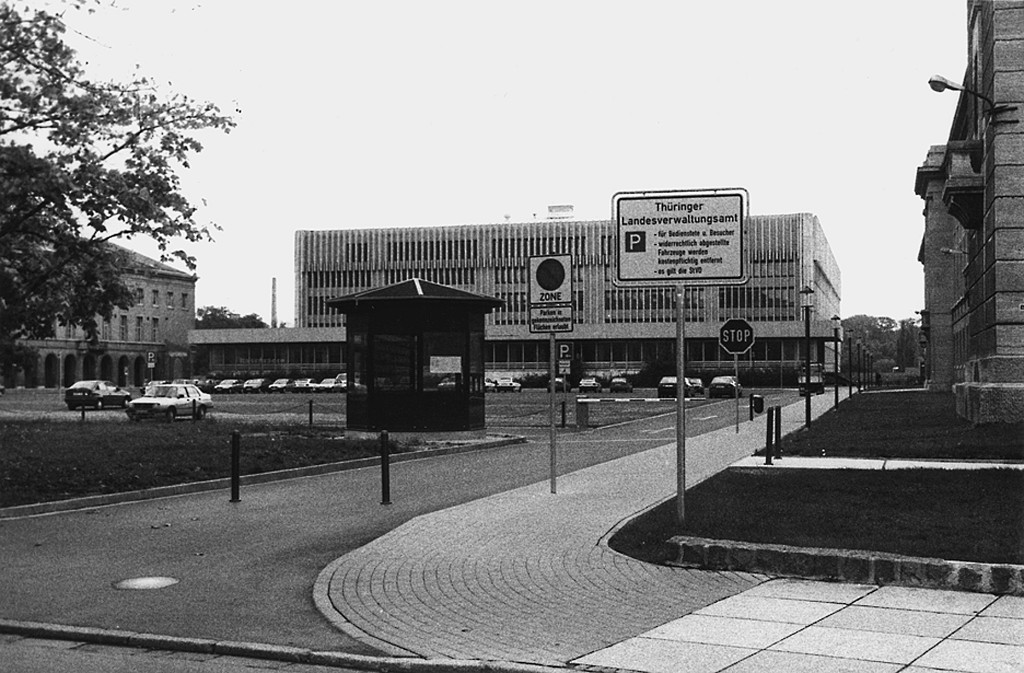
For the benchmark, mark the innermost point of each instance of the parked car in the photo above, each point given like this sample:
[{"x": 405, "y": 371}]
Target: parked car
[
  {"x": 169, "y": 401},
  {"x": 95, "y": 394},
  {"x": 279, "y": 386},
  {"x": 328, "y": 385},
  {"x": 817, "y": 386},
  {"x": 620, "y": 385},
  {"x": 207, "y": 385},
  {"x": 590, "y": 385},
  {"x": 507, "y": 385},
  {"x": 255, "y": 385},
  {"x": 725, "y": 386},
  {"x": 341, "y": 383},
  {"x": 561, "y": 385},
  {"x": 301, "y": 386},
  {"x": 229, "y": 386},
  {"x": 490, "y": 385},
  {"x": 692, "y": 387}
]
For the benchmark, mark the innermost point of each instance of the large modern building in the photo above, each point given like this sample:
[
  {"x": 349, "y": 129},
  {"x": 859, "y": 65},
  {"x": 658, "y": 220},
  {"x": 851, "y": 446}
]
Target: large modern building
[
  {"x": 152, "y": 331},
  {"x": 617, "y": 329},
  {"x": 973, "y": 244}
]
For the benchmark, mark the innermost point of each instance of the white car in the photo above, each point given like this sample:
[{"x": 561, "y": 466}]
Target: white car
[
  {"x": 508, "y": 385},
  {"x": 169, "y": 401}
]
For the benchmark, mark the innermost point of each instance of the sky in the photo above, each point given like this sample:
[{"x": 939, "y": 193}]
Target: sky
[{"x": 355, "y": 114}]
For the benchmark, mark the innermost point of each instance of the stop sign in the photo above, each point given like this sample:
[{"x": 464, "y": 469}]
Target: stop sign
[{"x": 736, "y": 336}]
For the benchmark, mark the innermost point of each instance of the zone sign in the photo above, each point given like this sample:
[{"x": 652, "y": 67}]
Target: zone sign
[
  {"x": 550, "y": 280},
  {"x": 736, "y": 336}
]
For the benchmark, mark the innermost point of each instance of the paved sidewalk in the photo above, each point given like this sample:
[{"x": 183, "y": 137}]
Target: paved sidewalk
[
  {"x": 800, "y": 625},
  {"x": 524, "y": 575}
]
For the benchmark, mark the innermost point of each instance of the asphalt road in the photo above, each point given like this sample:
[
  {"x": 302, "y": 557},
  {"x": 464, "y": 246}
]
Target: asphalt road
[{"x": 245, "y": 570}]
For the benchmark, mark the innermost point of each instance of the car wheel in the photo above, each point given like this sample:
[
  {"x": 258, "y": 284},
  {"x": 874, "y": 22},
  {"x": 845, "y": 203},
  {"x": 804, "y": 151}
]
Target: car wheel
[
  {"x": 99, "y": 405},
  {"x": 170, "y": 414},
  {"x": 200, "y": 413}
]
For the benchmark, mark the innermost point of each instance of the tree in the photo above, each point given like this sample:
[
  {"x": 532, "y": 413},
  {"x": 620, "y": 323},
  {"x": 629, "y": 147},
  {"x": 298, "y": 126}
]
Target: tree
[
  {"x": 218, "y": 317},
  {"x": 83, "y": 164}
]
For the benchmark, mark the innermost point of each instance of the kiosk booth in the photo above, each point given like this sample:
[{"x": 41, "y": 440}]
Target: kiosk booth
[{"x": 415, "y": 357}]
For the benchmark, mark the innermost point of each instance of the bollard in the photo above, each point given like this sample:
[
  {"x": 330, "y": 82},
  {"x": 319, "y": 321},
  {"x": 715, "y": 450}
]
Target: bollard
[
  {"x": 385, "y": 469},
  {"x": 768, "y": 434},
  {"x": 563, "y": 413},
  {"x": 83, "y": 414},
  {"x": 582, "y": 414},
  {"x": 236, "y": 453},
  {"x": 778, "y": 433},
  {"x": 311, "y": 412},
  {"x": 193, "y": 410}
]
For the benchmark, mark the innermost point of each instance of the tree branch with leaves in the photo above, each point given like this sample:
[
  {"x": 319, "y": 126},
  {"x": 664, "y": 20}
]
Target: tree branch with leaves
[{"x": 83, "y": 164}]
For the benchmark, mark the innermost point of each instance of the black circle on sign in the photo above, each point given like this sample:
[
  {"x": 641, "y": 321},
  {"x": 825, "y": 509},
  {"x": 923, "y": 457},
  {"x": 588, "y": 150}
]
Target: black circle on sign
[{"x": 550, "y": 274}]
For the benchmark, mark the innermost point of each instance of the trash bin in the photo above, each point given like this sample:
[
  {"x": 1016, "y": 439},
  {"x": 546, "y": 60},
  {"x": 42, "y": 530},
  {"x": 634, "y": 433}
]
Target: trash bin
[{"x": 757, "y": 403}]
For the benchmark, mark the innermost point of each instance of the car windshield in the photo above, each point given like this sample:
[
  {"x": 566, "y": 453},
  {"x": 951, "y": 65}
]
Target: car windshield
[
  {"x": 88, "y": 385},
  {"x": 165, "y": 391}
]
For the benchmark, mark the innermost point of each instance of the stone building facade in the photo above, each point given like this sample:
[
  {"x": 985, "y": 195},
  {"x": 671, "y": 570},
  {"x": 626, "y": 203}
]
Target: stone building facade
[
  {"x": 973, "y": 245},
  {"x": 155, "y": 329}
]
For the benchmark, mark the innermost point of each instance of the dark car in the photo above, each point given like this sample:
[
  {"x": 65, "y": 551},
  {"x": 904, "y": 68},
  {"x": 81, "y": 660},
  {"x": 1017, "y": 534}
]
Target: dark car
[
  {"x": 725, "y": 386},
  {"x": 255, "y": 385},
  {"x": 229, "y": 386},
  {"x": 693, "y": 387},
  {"x": 96, "y": 394},
  {"x": 620, "y": 385}
]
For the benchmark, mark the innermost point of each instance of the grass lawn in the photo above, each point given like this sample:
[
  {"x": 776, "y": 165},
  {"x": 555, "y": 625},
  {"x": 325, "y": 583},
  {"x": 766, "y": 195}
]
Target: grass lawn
[
  {"x": 42, "y": 461},
  {"x": 973, "y": 515},
  {"x": 910, "y": 424}
]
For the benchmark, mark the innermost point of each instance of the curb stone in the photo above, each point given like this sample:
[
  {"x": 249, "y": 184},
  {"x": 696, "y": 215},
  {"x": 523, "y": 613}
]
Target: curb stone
[
  {"x": 847, "y": 565},
  {"x": 262, "y": 651}
]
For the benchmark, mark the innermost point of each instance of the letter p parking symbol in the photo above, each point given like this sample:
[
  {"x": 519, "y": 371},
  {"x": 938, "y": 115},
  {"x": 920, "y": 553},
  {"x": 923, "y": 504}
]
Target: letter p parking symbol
[{"x": 636, "y": 241}]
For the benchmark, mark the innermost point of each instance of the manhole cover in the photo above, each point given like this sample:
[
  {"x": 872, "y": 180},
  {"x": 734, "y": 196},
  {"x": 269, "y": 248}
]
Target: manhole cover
[{"x": 145, "y": 583}]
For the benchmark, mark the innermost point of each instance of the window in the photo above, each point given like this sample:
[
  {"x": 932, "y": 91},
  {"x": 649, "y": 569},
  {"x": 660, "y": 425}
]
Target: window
[
  {"x": 140, "y": 296},
  {"x": 105, "y": 330},
  {"x": 123, "y": 329},
  {"x": 170, "y": 300},
  {"x": 138, "y": 327},
  {"x": 156, "y": 329},
  {"x": 184, "y": 300},
  {"x": 156, "y": 298}
]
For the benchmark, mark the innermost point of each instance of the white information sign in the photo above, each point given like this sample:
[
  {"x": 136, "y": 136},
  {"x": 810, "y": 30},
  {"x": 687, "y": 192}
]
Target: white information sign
[{"x": 681, "y": 236}]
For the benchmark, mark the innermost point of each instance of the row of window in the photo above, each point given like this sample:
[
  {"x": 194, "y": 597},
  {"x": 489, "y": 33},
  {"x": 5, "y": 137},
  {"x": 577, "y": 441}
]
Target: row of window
[{"x": 140, "y": 298}]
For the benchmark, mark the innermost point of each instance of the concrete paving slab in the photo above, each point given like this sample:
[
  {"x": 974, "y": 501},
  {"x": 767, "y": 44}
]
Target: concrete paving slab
[
  {"x": 1006, "y": 606},
  {"x": 666, "y": 656},
  {"x": 852, "y": 644},
  {"x": 724, "y": 631},
  {"x": 971, "y": 657},
  {"x": 811, "y": 590},
  {"x": 770, "y": 661},
  {"x": 928, "y": 600},
  {"x": 744, "y": 606},
  {"x": 903, "y": 622},
  {"x": 992, "y": 630}
]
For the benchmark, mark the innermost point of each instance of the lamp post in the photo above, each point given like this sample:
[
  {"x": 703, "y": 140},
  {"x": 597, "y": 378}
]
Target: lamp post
[
  {"x": 806, "y": 301},
  {"x": 849, "y": 368},
  {"x": 836, "y": 322},
  {"x": 867, "y": 367},
  {"x": 860, "y": 365}
]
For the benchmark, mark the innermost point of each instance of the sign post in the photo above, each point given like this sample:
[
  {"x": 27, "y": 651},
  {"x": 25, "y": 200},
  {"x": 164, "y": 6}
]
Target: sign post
[
  {"x": 551, "y": 312},
  {"x": 736, "y": 337},
  {"x": 680, "y": 238}
]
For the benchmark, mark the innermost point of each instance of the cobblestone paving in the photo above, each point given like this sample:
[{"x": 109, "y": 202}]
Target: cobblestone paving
[{"x": 523, "y": 575}]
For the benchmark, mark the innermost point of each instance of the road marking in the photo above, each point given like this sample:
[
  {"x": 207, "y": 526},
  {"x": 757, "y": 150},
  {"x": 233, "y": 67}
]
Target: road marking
[{"x": 706, "y": 418}]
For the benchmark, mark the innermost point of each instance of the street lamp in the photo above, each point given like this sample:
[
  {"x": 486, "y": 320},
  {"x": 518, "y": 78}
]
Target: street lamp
[
  {"x": 849, "y": 368},
  {"x": 836, "y": 323},
  {"x": 939, "y": 83},
  {"x": 860, "y": 365},
  {"x": 806, "y": 301}
]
